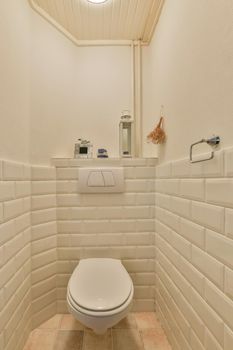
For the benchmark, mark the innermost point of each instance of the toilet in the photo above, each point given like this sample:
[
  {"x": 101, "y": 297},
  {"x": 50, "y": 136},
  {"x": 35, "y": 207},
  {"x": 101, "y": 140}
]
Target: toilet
[{"x": 100, "y": 293}]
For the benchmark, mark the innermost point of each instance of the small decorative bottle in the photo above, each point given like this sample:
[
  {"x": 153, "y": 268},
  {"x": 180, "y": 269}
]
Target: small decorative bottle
[{"x": 126, "y": 135}]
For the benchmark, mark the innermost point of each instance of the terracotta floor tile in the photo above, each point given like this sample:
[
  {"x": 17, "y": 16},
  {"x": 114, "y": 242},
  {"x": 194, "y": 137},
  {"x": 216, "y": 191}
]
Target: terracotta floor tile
[
  {"x": 127, "y": 322},
  {"x": 127, "y": 339},
  {"x": 43, "y": 339},
  {"x": 154, "y": 339},
  {"x": 28, "y": 342},
  {"x": 68, "y": 322},
  {"x": 93, "y": 341},
  {"x": 146, "y": 320},
  {"x": 138, "y": 331},
  {"x": 69, "y": 340},
  {"x": 52, "y": 323}
]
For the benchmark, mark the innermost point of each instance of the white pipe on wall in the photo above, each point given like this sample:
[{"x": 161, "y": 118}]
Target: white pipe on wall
[
  {"x": 133, "y": 94},
  {"x": 140, "y": 97},
  {"x": 138, "y": 119}
]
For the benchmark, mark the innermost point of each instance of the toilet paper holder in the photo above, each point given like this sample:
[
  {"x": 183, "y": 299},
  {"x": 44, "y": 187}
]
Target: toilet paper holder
[{"x": 213, "y": 142}]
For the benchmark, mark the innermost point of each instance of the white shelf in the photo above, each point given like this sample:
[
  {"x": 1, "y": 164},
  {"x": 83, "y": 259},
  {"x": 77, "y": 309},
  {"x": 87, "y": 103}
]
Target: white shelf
[{"x": 73, "y": 162}]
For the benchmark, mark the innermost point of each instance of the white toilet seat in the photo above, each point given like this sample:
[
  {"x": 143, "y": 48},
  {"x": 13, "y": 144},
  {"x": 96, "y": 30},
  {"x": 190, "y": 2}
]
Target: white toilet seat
[
  {"x": 99, "y": 285},
  {"x": 100, "y": 293},
  {"x": 101, "y": 313}
]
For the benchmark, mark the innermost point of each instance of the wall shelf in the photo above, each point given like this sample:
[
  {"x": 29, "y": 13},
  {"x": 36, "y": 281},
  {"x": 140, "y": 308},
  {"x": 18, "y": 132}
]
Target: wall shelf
[{"x": 72, "y": 162}]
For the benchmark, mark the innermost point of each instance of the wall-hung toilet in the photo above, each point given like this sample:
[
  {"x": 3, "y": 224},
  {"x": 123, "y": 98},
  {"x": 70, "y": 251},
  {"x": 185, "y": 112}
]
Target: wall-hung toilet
[{"x": 100, "y": 293}]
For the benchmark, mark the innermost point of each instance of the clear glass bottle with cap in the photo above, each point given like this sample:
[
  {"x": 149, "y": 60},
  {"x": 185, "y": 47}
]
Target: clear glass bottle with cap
[{"x": 126, "y": 135}]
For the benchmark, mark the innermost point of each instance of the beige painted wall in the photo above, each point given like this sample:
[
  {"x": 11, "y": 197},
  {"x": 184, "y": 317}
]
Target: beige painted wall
[
  {"x": 76, "y": 91},
  {"x": 15, "y": 79},
  {"x": 189, "y": 69}
]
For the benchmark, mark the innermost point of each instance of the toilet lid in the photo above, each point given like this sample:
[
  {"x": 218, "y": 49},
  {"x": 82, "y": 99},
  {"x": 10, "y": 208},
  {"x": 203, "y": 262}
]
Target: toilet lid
[{"x": 100, "y": 284}]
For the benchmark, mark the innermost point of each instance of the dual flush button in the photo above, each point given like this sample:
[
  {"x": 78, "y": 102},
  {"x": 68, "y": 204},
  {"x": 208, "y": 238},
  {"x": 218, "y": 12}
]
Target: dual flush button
[{"x": 101, "y": 180}]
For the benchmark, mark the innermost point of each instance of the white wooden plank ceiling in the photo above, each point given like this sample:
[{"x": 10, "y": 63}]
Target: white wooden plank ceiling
[{"x": 112, "y": 20}]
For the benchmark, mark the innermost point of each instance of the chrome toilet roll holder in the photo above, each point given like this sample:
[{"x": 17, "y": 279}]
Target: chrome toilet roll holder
[{"x": 213, "y": 142}]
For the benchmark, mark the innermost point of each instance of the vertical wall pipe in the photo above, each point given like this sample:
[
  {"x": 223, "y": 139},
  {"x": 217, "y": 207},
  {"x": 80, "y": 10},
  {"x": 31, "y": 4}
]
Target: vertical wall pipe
[
  {"x": 138, "y": 121},
  {"x": 133, "y": 95}
]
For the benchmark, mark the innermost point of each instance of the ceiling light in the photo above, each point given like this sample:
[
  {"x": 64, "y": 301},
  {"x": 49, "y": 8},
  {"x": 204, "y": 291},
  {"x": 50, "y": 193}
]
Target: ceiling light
[{"x": 96, "y": 1}]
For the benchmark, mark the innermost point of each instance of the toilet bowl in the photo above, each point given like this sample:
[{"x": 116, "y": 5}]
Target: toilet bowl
[{"x": 99, "y": 293}]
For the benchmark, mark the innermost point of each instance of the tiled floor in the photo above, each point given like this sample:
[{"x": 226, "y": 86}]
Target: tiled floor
[{"x": 138, "y": 331}]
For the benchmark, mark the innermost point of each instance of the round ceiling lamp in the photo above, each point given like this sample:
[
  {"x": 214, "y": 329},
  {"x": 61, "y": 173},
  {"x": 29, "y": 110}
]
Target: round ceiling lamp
[{"x": 96, "y": 1}]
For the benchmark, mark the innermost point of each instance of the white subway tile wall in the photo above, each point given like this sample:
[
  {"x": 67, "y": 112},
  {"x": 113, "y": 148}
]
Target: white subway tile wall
[
  {"x": 43, "y": 244},
  {"x": 108, "y": 225},
  {"x": 46, "y": 227},
  {"x": 174, "y": 235},
  {"x": 15, "y": 255},
  {"x": 194, "y": 252}
]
